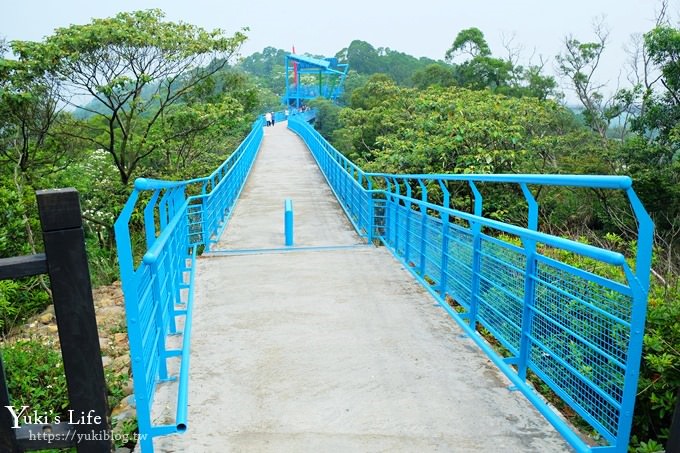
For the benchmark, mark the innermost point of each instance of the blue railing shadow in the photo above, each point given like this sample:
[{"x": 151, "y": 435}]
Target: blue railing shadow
[
  {"x": 158, "y": 290},
  {"x": 578, "y": 331}
]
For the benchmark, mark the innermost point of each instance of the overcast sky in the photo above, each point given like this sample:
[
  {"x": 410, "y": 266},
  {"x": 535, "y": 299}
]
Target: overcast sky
[{"x": 420, "y": 28}]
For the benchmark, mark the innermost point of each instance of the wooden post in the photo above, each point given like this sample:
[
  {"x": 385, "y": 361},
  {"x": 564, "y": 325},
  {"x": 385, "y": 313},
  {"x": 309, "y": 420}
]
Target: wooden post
[
  {"x": 7, "y": 434},
  {"x": 674, "y": 435},
  {"x": 67, "y": 267}
]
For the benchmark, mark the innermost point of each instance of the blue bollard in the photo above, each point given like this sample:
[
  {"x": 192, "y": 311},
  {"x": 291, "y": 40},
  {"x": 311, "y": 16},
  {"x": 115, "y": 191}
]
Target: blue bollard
[{"x": 288, "y": 221}]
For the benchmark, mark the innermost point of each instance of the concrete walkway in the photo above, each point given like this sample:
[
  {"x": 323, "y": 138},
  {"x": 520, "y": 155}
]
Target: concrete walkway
[
  {"x": 286, "y": 169},
  {"x": 333, "y": 350}
]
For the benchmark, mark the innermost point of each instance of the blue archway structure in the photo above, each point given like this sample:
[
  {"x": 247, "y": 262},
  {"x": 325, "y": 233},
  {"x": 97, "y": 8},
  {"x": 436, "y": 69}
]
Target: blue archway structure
[{"x": 309, "y": 78}]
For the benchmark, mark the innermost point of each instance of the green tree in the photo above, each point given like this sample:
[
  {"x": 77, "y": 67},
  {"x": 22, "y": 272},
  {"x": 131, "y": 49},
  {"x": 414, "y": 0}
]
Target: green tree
[
  {"x": 327, "y": 119},
  {"x": 28, "y": 115},
  {"x": 115, "y": 60},
  {"x": 268, "y": 68},
  {"x": 365, "y": 60},
  {"x": 484, "y": 71},
  {"x": 400, "y": 66},
  {"x": 353, "y": 82},
  {"x": 538, "y": 85},
  {"x": 653, "y": 157},
  {"x": 662, "y": 113},
  {"x": 579, "y": 63},
  {"x": 362, "y": 57},
  {"x": 470, "y": 41},
  {"x": 434, "y": 74},
  {"x": 32, "y": 144}
]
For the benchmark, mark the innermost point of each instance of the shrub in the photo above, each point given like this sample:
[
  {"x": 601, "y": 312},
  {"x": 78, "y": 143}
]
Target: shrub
[{"x": 35, "y": 377}]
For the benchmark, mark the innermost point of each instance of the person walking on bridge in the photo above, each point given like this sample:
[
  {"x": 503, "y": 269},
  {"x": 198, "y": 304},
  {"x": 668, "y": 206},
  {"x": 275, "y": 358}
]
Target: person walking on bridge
[
  {"x": 268, "y": 118},
  {"x": 273, "y": 118}
]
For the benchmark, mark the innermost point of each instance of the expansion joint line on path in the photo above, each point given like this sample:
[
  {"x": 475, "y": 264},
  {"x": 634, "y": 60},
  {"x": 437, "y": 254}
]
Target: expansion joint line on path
[{"x": 264, "y": 251}]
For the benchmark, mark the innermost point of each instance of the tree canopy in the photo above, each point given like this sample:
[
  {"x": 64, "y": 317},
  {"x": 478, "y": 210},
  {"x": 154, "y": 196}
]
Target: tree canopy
[
  {"x": 114, "y": 60},
  {"x": 470, "y": 41}
]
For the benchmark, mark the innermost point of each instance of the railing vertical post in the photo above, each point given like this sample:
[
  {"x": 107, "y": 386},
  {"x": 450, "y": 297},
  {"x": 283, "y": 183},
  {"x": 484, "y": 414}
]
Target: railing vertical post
[
  {"x": 387, "y": 230},
  {"x": 288, "y": 221},
  {"x": 166, "y": 272},
  {"x": 62, "y": 228},
  {"x": 529, "y": 285},
  {"x": 205, "y": 202},
  {"x": 346, "y": 183},
  {"x": 371, "y": 211},
  {"x": 476, "y": 257},
  {"x": 634, "y": 354},
  {"x": 407, "y": 246},
  {"x": 397, "y": 207},
  {"x": 645, "y": 240},
  {"x": 423, "y": 228},
  {"x": 157, "y": 296},
  {"x": 444, "y": 264},
  {"x": 356, "y": 189},
  {"x": 149, "y": 221}
]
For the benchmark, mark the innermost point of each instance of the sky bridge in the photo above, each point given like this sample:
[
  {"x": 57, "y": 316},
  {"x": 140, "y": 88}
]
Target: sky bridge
[
  {"x": 308, "y": 78},
  {"x": 364, "y": 334}
]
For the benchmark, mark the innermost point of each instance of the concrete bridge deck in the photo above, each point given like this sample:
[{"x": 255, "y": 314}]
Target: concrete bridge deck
[{"x": 336, "y": 348}]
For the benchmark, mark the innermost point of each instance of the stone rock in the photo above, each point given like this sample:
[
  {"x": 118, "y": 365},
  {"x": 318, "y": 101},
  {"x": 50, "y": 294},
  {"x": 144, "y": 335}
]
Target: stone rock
[
  {"x": 121, "y": 362},
  {"x": 52, "y": 328},
  {"x": 129, "y": 400},
  {"x": 122, "y": 450},
  {"x": 120, "y": 412},
  {"x": 106, "y": 361},
  {"x": 103, "y": 343},
  {"x": 106, "y": 302},
  {"x": 129, "y": 388},
  {"x": 120, "y": 338},
  {"x": 118, "y": 417},
  {"x": 46, "y": 318},
  {"x": 110, "y": 315}
]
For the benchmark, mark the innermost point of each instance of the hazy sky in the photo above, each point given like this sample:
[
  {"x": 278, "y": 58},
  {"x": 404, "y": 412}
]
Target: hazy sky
[{"x": 420, "y": 28}]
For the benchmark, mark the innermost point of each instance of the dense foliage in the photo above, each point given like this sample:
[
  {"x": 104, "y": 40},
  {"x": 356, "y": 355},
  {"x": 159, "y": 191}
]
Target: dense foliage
[
  {"x": 367, "y": 60},
  {"x": 92, "y": 107}
]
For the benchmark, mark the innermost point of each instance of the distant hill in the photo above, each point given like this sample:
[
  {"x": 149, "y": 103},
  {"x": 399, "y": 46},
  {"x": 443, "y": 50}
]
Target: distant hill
[{"x": 363, "y": 59}]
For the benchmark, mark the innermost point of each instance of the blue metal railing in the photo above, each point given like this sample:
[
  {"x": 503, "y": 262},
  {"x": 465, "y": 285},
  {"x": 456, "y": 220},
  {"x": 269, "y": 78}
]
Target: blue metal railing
[
  {"x": 575, "y": 329},
  {"x": 159, "y": 289},
  {"x": 348, "y": 182},
  {"x": 313, "y": 91},
  {"x": 304, "y": 115},
  {"x": 280, "y": 115}
]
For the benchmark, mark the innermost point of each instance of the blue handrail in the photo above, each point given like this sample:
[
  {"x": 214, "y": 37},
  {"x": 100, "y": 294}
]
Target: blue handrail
[
  {"x": 577, "y": 330},
  {"x": 590, "y": 181},
  {"x": 158, "y": 290}
]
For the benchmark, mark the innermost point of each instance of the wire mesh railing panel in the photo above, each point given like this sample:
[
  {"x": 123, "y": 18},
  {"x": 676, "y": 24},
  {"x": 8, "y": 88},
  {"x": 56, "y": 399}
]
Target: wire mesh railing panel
[
  {"x": 501, "y": 291},
  {"x": 576, "y": 328},
  {"x": 581, "y": 336},
  {"x": 175, "y": 225}
]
